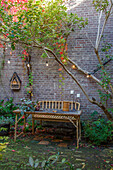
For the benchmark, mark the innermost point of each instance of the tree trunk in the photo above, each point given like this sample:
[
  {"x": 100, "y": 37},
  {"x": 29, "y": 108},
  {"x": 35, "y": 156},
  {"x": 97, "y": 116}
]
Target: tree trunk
[{"x": 109, "y": 116}]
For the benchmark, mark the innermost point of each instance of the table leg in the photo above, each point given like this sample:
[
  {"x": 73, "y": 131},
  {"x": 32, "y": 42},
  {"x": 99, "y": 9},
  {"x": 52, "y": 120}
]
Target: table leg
[
  {"x": 33, "y": 132},
  {"x": 24, "y": 122},
  {"x": 77, "y": 133},
  {"x": 79, "y": 130},
  {"x": 40, "y": 122},
  {"x": 15, "y": 128}
]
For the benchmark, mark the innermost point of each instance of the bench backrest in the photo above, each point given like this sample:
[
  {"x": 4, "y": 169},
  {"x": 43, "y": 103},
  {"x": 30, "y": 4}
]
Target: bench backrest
[{"x": 58, "y": 105}]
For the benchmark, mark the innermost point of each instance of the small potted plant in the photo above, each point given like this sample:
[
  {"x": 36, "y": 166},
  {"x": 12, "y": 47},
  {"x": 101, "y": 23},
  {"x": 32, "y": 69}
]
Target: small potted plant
[
  {"x": 26, "y": 105},
  {"x": 5, "y": 125}
]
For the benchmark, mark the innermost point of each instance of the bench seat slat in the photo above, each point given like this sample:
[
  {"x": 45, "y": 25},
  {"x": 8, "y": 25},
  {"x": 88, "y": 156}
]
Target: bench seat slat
[{"x": 54, "y": 116}]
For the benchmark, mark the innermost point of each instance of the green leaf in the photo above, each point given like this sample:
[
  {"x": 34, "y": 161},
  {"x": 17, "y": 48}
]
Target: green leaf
[
  {"x": 12, "y": 46},
  {"x": 31, "y": 162},
  {"x": 36, "y": 163},
  {"x": 43, "y": 163},
  {"x": 44, "y": 55},
  {"x": 63, "y": 160}
]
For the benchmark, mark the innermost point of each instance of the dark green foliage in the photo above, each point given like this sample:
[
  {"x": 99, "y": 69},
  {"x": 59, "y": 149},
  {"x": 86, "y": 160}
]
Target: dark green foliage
[
  {"x": 7, "y": 107},
  {"x": 26, "y": 105},
  {"x": 99, "y": 131}
]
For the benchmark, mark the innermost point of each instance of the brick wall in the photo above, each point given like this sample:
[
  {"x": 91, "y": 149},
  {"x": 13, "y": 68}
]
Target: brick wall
[{"x": 46, "y": 79}]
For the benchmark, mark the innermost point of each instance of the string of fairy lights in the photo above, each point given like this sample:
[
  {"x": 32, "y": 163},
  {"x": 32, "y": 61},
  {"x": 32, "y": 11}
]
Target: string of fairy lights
[{"x": 73, "y": 66}]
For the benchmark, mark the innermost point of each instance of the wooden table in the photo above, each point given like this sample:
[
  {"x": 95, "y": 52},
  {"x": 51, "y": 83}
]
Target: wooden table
[{"x": 49, "y": 115}]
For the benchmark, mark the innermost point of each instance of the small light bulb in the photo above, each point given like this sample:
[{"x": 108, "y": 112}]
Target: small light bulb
[
  {"x": 47, "y": 63},
  {"x": 73, "y": 67},
  {"x": 88, "y": 76},
  {"x": 28, "y": 65},
  {"x": 9, "y": 61}
]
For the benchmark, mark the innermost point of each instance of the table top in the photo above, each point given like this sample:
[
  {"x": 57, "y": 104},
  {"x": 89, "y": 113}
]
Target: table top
[{"x": 52, "y": 112}]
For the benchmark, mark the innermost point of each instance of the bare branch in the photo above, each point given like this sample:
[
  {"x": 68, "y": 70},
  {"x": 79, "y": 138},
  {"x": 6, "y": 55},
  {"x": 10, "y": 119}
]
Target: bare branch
[
  {"x": 111, "y": 2},
  {"x": 83, "y": 71},
  {"x": 90, "y": 40},
  {"x": 6, "y": 41},
  {"x": 91, "y": 76},
  {"x": 104, "y": 24},
  {"x": 97, "y": 39}
]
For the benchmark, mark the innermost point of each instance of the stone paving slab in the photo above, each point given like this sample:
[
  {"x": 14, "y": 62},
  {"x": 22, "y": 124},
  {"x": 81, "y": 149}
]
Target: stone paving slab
[
  {"x": 66, "y": 138},
  {"x": 56, "y": 140},
  {"x": 38, "y": 138},
  {"x": 62, "y": 145},
  {"x": 43, "y": 142}
]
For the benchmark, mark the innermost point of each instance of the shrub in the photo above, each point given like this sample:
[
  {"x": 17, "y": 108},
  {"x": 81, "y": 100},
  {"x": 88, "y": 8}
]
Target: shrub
[
  {"x": 3, "y": 143},
  {"x": 98, "y": 131},
  {"x": 7, "y": 107}
]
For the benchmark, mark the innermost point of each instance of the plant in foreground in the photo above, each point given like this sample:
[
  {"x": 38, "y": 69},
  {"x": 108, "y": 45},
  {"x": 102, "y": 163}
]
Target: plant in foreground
[
  {"x": 3, "y": 143},
  {"x": 50, "y": 163}
]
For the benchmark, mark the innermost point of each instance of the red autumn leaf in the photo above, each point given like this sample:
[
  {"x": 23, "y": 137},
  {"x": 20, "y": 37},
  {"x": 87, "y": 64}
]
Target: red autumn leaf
[
  {"x": 1, "y": 46},
  {"x": 62, "y": 58},
  {"x": 59, "y": 69},
  {"x": 61, "y": 52}
]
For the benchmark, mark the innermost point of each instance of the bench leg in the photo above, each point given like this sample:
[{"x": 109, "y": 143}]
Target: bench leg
[
  {"x": 33, "y": 132},
  {"x": 79, "y": 130},
  {"x": 40, "y": 122},
  {"x": 77, "y": 134},
  {"x": 15, "y": 128},
  {"x": 24, "y": 123}
]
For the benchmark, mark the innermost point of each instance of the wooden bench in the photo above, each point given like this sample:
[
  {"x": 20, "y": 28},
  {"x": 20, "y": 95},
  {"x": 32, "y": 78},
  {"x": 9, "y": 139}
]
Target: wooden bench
[
  {"x": 52, "y": 111},
  {"x": 55, "y": 111}
]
